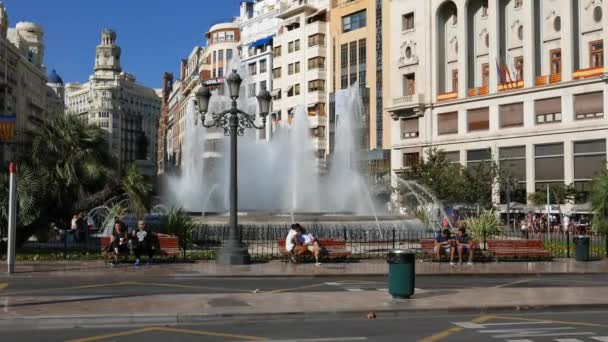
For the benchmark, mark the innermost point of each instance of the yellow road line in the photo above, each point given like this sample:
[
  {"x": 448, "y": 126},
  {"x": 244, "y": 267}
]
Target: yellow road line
[
  {"x": 169, "y": 330},
  {"x": 92, "y": 286},
  {"x": 120, "y": 334},
  {"x": 454, "y": 330},
  {"x": 294, "y": 288},
  {"x": 191, "y": 287},
  {"x": 211, "y": 333},
  {"x": 583, "y": 324},
  {"x": 514, "y": 283}
]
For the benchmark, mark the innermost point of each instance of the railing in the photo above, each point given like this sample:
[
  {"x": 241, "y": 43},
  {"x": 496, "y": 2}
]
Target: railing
[
  {"x": 589, "y": 72},
  {"x": 540, "y": 80},
  {"x": 510, "y": 85},
  {"x": 483, "y": 90},
  {"x": 555, "y": 78},
  {"x": 447, "y": 96},
  {"x": 408, "y": 99}
]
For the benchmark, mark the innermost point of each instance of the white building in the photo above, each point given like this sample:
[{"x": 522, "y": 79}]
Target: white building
[
  {"x": 542, "y": 120},
  {"x": 259, "y": 25},
  {"x": 113, "y": 100},
  {"x": 299, "y": 71}
]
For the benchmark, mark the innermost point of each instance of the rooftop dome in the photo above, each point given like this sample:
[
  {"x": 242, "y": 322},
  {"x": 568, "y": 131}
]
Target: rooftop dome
[{"x": 54, "y": 78}]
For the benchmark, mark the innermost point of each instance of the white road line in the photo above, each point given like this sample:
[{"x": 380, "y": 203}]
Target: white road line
[
  {"x": 355, "y": 290},
  {"x": 333, "y": 284},
  {"x": 471, "y": 325},
  {"x": 568, "y": 340},
  {"x": 600, "y": 338},
  {"x": 519, "y": 341},
  {"x": 543, "y": 335}
]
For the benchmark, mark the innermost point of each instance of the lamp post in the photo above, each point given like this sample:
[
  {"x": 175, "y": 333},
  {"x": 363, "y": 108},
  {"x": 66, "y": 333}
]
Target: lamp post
[{"x": 234, "y": 122}]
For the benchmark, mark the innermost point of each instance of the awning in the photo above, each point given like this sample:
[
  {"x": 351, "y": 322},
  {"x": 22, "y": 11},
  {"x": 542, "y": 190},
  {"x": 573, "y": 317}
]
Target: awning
[
  {"x": 261, "y": 42},
  {"x": 291, "y": 21},
  {"x": 275, "y": 92},
  {"x": 289, "y": 89},
  {"x": 312, "y": 105},
  {"x": 319, "y": 12}
]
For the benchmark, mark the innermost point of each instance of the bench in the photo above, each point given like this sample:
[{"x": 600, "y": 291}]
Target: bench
[
  {"x": 518, "y": 249},
  {"x": 169, "y": 245},
  {"x": 427, "y": 246},
  {"x": 332, "y": 249}
]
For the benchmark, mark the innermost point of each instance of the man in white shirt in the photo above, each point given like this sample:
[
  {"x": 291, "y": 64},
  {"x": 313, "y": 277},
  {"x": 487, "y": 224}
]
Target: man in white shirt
[{"x": 290, "y": 241}]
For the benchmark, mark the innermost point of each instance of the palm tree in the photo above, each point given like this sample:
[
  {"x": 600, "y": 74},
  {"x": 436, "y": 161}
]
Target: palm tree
[
  {"x": 139, "y": 192},
  {"x": 178, "y": 223},
  {"x": 599, "y": 202}
]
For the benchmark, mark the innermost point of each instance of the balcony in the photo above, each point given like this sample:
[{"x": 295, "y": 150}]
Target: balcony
[
  {"x": 412, "y": 100},
  {"x": 587, "y": 73},
  {"x": 483, "y": 90},
  {"x": 544, "y": 80},
  {"x": 447, "y": 96},
  {"x": 510, "y": 85},
  {"x": 406, "y": 106},
  {"x": 316, "y": 27}
]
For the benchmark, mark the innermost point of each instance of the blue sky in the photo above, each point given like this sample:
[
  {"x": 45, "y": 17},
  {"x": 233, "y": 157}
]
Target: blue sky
[{"x": 153, "y": 34}]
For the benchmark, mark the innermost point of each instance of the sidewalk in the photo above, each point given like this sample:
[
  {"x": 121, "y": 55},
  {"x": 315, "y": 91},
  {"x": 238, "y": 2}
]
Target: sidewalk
[
  {"x": 282, "y": 269},
  {"x": 69, "y": 311}
]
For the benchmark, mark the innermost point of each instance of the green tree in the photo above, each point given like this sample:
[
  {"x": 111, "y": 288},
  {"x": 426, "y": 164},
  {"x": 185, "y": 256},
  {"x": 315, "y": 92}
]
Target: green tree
[
  {"x": 559, "y": 194},
  {"x": 599, "y": 203},
  {"x": 178, "y": 223},
  {"x": 138, "y": 190},
  {"x": 479, "y": 180},
  {"x": 439, "y": 175}
]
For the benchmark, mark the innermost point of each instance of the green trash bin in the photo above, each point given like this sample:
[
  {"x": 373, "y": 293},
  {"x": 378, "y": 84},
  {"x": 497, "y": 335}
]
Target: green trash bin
[
  {"x": 401, "y": 273},
  {"x": 581, "y": 248}
]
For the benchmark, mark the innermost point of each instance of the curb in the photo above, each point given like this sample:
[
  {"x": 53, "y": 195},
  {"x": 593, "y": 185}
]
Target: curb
[{"x": 69, "y": 322}]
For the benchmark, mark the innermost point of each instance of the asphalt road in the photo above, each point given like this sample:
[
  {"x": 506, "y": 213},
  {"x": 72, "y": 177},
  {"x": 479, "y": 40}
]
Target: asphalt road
[
  {"x": 575, "y": 326},
  {"x": 146, "y": 284}
]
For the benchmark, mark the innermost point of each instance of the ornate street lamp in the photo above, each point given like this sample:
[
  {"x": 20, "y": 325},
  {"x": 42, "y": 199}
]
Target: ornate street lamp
[{"x": 234, "y": 122}]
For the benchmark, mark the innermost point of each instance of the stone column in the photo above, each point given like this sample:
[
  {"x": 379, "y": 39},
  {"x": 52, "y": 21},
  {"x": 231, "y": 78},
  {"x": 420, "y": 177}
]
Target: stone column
[
  {"x": 530, "y": 176},
  {"x": 530, "y": 50},
  {"x": 567, "y": 31},
  {"x": 462, "y": 50},
  {"x": 493, "y": 29},
  {"x": 568, "y": 161}
]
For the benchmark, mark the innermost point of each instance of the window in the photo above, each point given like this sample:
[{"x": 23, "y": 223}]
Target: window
[
  {"x": 343, "y": 81},
  {"x": 290, "y": 47},
  {"x": 229, "y": 36},
  {"x": 407, "y": 22},
  {"x": 455, "y": 80},
  {"x": 410, "y": 159},
  {"x": 220, "y": 56},
  {"x": 512, "y": 163},
  {"x": 220, "y": 72},
  {"x": 597, "y": 14},
  {"x": 344, "y": 56},
  {"x": 447, "y": 123},
  {"x": 262, "y": 66},
  {"x": 353, "y": 54},
  {"x": 548, "y": 110},
  {"x": 476, "y": 157},
  {"x": 263, "y": 85},
  {"x": 548, "y": 164},
  {"x": 214, "y": 57},
  {"x": 317, "y": 109},
  {"x": 589, "y": 106},
  {"x": 409, "y": 84},
  {"x": 354, "y": 21},
  {"x": 596, "y": 54},
  {"x": 319, "y": 132},
  {"x": 276, "y": 51},
  {"x": 316, "y": 85},
  {"x": 519, "y": 68},
  {"x": 511, "y": 115},
  {"x": 453, "y": 157},
  {"x": 316, "y": 63},
  {"x": 293, "y": 68},
  {"x": 276, "y": 73},
  {"x": 296, "y": 89},
  {"x": 484, "y": 9},
  {"x": 409, "y": 128},
  {"x": 556, "y": 61},
  {"x": 589, "y": 161},
  {"x": 296, "y": 67},
  {"x": 362, "y": 61},
  {"x": 518, "y": 3},
  {"x": 478, "y": 119},
  {"x": 252, "y": 90},
  {"x": 485, "y": 74},
  {"x": 290, "y": 69},
  {"x": 316, "y": 39},
  {"x": 229, "y": 55},
  {"x": 296, "y": 46},
  {"x": 253, "y": 68}
]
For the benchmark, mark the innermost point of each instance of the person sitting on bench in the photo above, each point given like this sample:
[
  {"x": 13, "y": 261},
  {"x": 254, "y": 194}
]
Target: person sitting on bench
[
  {"x": 143, "y": 242},
  {"x": 119, "y": 243},
  {"x": 309, "y": 242},
  {"x": 443, "y": 243},
  {"x": 464, "y": 244}
]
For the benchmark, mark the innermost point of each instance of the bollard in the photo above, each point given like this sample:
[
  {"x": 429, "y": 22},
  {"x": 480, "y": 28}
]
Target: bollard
[
  {"x": 12, "y": 218},
  {"x": 568, "y": 243}
]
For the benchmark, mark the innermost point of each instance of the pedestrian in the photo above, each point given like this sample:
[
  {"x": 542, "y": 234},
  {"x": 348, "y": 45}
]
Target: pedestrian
[
  {"x": 118, "y": 243},
  {"x": 143, "y": 243}
]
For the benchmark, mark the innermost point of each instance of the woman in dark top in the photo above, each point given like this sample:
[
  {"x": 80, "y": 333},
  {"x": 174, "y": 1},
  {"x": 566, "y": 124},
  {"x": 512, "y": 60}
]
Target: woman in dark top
[{"x": 119, "y": 244}]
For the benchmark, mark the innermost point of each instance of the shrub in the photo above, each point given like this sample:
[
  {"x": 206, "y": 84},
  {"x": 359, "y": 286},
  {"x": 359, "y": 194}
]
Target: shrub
[{"x": 486, "y": 224}]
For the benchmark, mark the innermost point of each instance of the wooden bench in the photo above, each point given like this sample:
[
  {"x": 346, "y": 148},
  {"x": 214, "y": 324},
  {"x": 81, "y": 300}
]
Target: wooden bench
[
  {"x": 428, "y": 247},
  {"x": 169, "y": 245},
  {"x": 518, "y": 249},
  {"x": 332, "y": 249}
]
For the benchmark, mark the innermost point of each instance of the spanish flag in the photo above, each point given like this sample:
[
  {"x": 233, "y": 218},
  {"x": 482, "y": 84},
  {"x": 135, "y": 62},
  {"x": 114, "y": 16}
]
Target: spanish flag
[{"x": 7, "y": 127}]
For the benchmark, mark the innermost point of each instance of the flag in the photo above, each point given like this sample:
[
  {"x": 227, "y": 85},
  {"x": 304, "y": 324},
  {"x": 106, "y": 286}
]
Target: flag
[{"x": 499, "y": 70}]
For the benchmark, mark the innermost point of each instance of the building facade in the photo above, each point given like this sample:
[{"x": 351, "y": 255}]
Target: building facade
[
  {"x": 357, "y": 36},
  {"x": 112, "y": 99},
  {"x": 259, "y": 24},
  {"x": 519, "y": 82},
  {"x": 23, "y": 89},
  {"x": 299, "y": 70}
]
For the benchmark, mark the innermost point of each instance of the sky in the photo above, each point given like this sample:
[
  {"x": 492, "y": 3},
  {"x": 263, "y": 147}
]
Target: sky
[{"x": 154, "y": 35}]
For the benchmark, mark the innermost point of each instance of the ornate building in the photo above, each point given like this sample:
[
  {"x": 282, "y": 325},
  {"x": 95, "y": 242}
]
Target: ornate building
[{"x": 113, "y": 100}]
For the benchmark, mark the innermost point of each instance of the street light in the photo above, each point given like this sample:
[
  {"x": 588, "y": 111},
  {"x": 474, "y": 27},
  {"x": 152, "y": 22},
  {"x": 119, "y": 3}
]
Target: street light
[{"x": 234, "y": 122}]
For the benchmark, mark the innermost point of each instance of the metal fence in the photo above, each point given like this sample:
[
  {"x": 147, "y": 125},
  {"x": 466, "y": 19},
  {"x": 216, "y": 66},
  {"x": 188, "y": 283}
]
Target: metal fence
[{"x": 362, "y": 242}]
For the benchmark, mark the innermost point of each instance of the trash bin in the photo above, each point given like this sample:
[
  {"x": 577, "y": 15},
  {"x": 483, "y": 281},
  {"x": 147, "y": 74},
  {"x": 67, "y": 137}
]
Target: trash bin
[
  {"x": 401, "y": 273},
  {"x": 581, "y": 248}
]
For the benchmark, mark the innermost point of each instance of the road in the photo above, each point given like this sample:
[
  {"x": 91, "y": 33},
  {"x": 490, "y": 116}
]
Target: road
[
  {"x": 591, "y": 326},
  {"x": 149, "y": 284}
]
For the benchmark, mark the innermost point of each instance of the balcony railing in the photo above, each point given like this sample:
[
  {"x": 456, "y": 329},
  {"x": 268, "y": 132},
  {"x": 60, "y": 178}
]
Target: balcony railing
[
  {"x": 483, "y": 90},
  {"x": 447, "y": 96},
  {"x": 544, "y": 80},
  {"x": 408, "y": 99},
  {"x": 589, "y": 72},
  {"x": 510, "y": 85}
]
